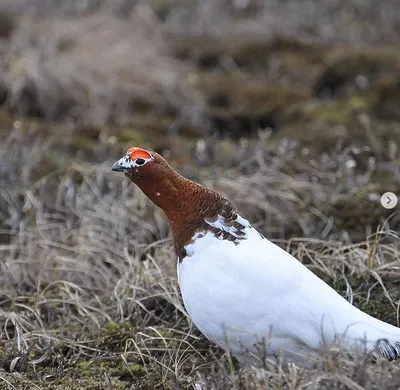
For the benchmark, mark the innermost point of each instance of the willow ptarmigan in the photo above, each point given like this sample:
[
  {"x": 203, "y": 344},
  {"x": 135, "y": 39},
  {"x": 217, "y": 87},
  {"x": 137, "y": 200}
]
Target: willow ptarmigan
[{"x": 238, "y": 287}]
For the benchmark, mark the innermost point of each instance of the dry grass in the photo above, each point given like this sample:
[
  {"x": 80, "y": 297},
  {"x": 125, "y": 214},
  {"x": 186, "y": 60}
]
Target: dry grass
[{"x": 88, "y": 291}]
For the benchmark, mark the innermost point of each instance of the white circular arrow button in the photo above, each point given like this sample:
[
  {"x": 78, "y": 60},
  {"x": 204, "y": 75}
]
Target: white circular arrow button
[{"x": 389, "y": 200}]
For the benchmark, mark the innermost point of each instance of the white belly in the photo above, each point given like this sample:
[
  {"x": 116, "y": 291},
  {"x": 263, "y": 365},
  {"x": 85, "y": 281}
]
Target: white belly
[{"x": 252, "y": 294}]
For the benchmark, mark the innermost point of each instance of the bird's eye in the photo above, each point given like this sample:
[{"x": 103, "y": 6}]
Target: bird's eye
[{"x": 140, "y": 161}]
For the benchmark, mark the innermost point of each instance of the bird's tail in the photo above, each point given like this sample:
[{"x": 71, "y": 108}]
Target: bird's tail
[
  {"x": 379, "y": 338},
  {"x": 388, "y": 349}
]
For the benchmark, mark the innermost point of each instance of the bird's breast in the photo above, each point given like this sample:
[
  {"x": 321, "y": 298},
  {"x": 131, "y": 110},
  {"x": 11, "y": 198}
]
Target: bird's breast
[{"x": 218, "y": 296}]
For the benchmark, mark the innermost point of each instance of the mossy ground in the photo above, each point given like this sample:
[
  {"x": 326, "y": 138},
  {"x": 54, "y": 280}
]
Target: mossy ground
[{"x": 302, "y": 135}]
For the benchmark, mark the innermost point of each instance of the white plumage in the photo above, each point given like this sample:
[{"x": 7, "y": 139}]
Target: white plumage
[{"x": 241, "y": 293}]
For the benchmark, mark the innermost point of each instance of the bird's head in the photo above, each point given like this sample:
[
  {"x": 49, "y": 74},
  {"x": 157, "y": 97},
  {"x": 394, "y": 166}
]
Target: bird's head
[
  {"x": 139, "y": 164},
  {"x": 152, "y": 174}
]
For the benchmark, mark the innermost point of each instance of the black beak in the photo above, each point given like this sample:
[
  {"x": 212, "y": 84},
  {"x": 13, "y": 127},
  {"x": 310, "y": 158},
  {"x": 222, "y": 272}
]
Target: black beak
[{"x": 117, "y": 168}]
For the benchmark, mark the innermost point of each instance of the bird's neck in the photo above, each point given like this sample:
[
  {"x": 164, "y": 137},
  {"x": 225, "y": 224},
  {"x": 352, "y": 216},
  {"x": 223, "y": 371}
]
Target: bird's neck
[{"x": 186, "y": 204}]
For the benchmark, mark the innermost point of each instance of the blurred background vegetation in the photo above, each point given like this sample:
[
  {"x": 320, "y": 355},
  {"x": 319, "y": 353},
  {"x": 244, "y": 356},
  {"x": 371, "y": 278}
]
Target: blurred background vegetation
[{"x": 289, "y": 107}]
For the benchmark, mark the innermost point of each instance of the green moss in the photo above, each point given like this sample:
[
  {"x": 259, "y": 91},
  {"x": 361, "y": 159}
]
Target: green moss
[
  {"x": 387, "y": 100},
  {"x": 114, "y": 335},
  {"x": 85, "y": 374},
  {"x": 357, "y": 210},
  {"x": 245, "y": 94},
  {"x": 342, "y": 68},
  {"x": 6, "y": 122},
  {"x": 164, "y": 333},
  {"x": 328, "y": 113},
  {"x": 137, "y": 369},
  {"x": 378, "y": 306}
]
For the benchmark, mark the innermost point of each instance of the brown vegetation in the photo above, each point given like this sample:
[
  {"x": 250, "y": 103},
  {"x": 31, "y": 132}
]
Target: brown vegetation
[{"x": 292, "y": 113}]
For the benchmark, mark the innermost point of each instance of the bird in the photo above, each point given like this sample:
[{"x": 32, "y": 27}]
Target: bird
[{"x": 242, "y": 291}]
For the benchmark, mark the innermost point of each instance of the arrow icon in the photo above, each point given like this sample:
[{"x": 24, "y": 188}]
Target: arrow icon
[{"x": 389, "y": 200}]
